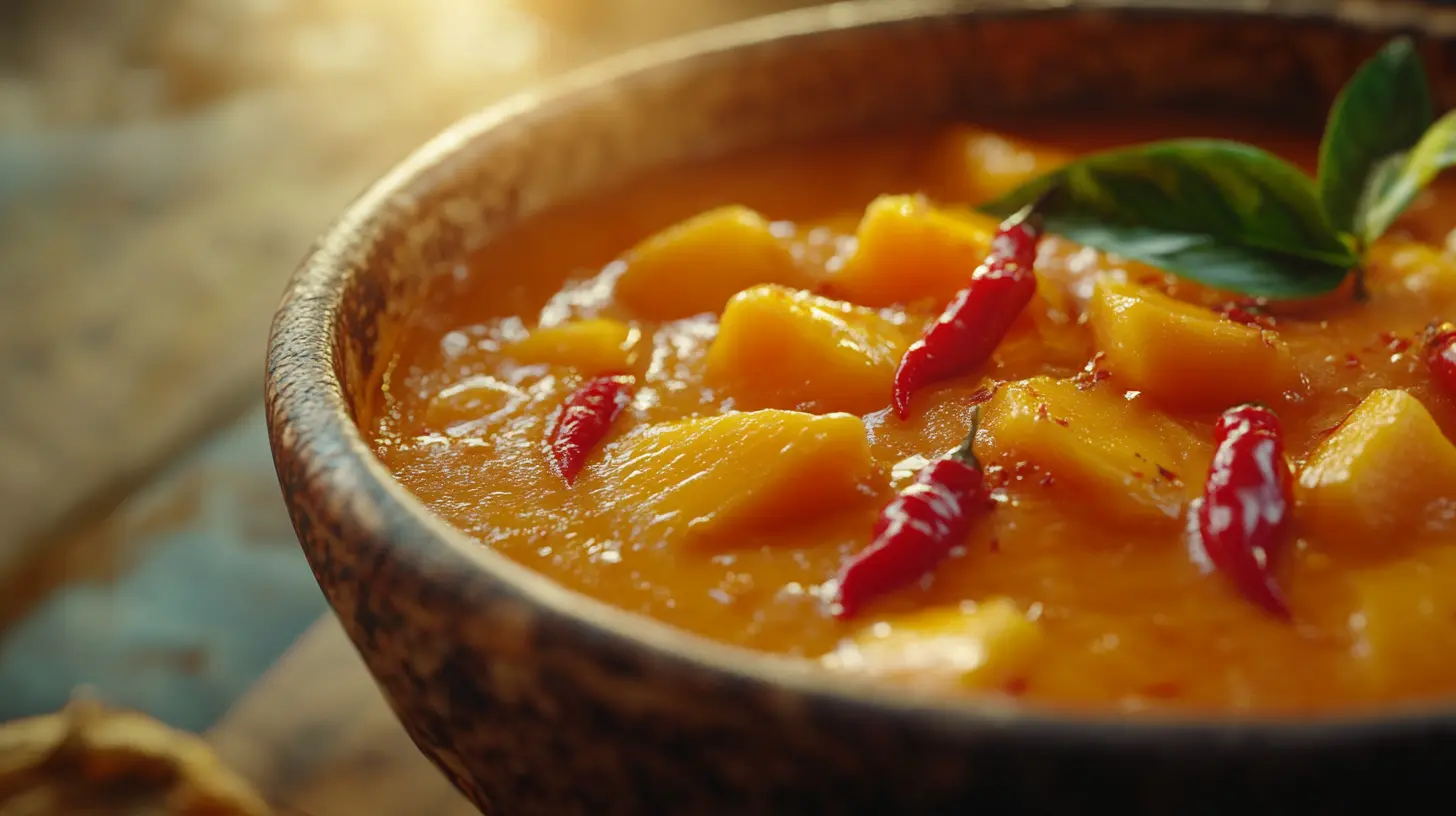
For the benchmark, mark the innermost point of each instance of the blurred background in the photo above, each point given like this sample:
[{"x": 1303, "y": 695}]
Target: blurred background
[{"x": 163, "y": 166}]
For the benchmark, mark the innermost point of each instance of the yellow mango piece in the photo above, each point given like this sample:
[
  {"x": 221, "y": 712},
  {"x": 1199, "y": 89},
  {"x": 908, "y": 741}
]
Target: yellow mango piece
[
  {"x": 784, "y": 348},
  {"x": 709, "y": 476},
  {"x": 1402, "y": 623},
  {"x": 1387, "y": 469},
  {"x": 594, "y": 346},
  {"x": 981, "y": 646},
  {"x": 908, "y": 250},
  {"x": 695, "y": 266},
  {"x": 1117, "y": 456},
  {"x": 975, "y": 164},
  {"x": 1398, "y": 267},
  {"x": 1183, "y": 354}
]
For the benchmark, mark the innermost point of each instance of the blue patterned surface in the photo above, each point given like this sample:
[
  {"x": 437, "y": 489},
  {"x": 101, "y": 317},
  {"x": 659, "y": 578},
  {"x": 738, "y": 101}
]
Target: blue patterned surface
[{"x": 218, "y": 591}]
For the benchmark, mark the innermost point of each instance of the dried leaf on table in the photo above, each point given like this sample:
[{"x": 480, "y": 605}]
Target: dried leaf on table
[{"x": 87, "y": 760}]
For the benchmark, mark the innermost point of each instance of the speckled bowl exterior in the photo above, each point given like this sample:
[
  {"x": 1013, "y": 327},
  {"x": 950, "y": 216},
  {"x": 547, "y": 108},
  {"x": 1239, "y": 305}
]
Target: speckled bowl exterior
[{"x": 535, "y": 700}]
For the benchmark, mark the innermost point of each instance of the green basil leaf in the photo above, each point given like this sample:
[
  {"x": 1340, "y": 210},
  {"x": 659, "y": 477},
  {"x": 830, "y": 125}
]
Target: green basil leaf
[
  {"x": 1223, "y": 213},
  {"x": 1381, "y": 111},
  {"x": 1400, "y": 178},
  {"x": 1199, "y": 257}
]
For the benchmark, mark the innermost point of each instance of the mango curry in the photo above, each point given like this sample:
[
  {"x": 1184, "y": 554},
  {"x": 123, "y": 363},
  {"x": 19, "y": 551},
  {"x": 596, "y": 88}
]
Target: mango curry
[{"x": 747, "y": 317}]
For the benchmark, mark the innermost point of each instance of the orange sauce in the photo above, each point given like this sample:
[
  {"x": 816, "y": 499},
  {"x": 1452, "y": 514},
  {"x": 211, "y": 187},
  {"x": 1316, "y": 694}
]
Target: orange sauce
[{"x": 1128, "y": 619}]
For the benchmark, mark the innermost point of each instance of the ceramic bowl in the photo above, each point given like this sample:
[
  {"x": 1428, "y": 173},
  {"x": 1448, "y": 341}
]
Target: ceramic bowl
[{"x": 535, "y": 700}]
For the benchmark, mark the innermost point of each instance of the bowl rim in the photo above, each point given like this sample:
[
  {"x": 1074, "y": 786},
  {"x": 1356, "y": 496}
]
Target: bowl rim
[{"x": 311, "y": 428}]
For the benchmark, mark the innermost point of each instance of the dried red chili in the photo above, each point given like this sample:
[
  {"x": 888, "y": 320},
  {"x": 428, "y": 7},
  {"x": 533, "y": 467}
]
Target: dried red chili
[
  {"x": 917, "y": 529},
  {"x": 585, "y": 418},
  {"x": 973, "y": 324},
  {"x": 1244, "y": 512},
  {"x": 1440, "y": 342}
]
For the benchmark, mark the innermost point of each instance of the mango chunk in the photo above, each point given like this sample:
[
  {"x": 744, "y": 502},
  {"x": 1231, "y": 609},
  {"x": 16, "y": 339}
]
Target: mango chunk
[
  {"x": 1397, "y": 267},
  {"x": 695, "y": 266},
  {"x": 1127, "y": 462},
  {"x": 908, "y": 250},
  {"x": 1402, "y": 623},
  {"x": 784, "y": 348},
  {"x": 979, "y": 646},
  {"x": 705, "y": 477},
  {"x": 975, "y": 164},
  {"x": 594, "y": 346},
  {"x": 1185, "y": 355},
  {"x": 1388, "y": 469}
]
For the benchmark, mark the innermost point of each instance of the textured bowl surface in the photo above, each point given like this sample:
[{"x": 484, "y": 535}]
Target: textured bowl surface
[{"x": 535, "y": 700}]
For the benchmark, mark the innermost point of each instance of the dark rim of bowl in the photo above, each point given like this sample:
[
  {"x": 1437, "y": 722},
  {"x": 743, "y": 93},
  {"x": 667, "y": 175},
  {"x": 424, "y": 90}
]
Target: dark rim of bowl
[{"x": 310, "y": 413}]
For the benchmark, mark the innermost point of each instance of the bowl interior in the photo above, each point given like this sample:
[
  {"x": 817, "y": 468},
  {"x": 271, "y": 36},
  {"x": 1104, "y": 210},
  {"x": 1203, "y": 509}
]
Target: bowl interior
[{"x": 843, "y": 69}]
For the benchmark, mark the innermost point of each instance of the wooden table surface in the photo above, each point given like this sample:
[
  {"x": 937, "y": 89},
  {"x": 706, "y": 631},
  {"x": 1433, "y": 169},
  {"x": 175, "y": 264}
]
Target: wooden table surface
[
  {"x": 144, "y": 242},
  {"x": 316, "y": 737}
]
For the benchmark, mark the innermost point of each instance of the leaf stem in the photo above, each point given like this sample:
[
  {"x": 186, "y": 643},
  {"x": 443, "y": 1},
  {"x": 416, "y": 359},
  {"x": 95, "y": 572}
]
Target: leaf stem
[{"x": 1361, "y": 292}]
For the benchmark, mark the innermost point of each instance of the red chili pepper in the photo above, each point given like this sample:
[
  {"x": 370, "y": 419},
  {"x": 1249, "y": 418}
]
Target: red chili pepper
[
  {"x": 973, "y": 324},
  {"x": 1440, "y": 341},
  {"x": 585, "y": 418},
  {"x": 917, "y": 529},
  {"x": 1245, "y": 509}
]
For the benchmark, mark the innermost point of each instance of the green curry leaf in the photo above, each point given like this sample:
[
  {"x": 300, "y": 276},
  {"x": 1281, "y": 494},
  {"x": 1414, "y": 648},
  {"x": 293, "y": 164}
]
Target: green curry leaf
[
  {"x": 1255, "y": 272},
  {"x": 1219, "y": 212},
  {"x": 1235, "y": 217},
  {"x": 1397, "y": 181},
  {"x": 1381, "y": 111}
]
